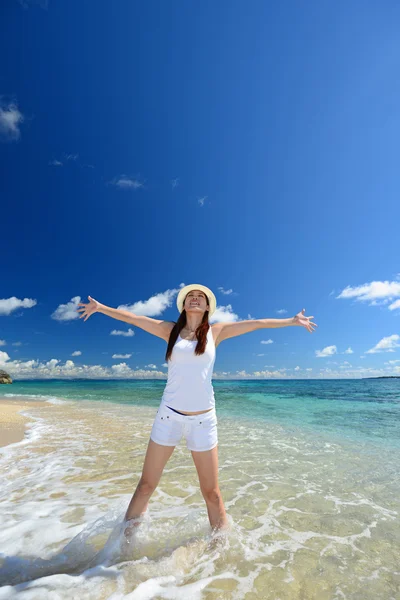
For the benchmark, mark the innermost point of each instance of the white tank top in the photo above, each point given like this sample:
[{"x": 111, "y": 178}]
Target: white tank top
[{"x": 189, "y": 387}]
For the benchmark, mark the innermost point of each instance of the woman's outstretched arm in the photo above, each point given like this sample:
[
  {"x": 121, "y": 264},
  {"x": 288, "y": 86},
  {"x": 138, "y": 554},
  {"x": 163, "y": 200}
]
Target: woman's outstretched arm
[
  {"x": 228, "y": 330},
  {"x": 156, "y": 327}
]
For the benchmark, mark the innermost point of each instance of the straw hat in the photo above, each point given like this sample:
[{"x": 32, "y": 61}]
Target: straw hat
[{"x": 196, "y": 286}]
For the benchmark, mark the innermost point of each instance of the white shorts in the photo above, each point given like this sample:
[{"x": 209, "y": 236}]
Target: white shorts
[{"x": 200, "y": 431}]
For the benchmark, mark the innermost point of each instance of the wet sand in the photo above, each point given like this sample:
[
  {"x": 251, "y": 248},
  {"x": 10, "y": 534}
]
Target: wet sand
[{"x": 12, "y": 423}]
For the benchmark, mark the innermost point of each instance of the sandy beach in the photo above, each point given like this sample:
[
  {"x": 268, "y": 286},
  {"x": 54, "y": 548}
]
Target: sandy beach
[{"x": 12, "y": 423}]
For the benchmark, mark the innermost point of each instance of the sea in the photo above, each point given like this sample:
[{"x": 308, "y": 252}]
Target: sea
[{"x": 309, "y": 472}]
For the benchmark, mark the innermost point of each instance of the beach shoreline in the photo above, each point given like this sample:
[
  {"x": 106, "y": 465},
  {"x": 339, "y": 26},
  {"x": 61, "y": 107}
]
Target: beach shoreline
[{"x": 13, "y": 425}]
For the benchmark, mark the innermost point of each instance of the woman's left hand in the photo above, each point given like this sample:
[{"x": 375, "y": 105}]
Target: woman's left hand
[{"x": 301, "y": 319}]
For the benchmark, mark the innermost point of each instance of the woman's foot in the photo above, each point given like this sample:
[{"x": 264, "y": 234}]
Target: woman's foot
[
  {"x": 131, "y": 526},
  {"x": 218, "y": 539},
  {"x": 223, "y": 525}
]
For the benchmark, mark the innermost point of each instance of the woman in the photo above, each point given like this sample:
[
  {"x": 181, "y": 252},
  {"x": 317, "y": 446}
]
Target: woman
[{"x": 188, "y": 405}]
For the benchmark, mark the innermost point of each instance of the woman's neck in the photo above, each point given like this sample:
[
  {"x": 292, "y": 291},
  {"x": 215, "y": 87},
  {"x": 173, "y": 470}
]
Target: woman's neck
[{"x": 192, "y": 325}]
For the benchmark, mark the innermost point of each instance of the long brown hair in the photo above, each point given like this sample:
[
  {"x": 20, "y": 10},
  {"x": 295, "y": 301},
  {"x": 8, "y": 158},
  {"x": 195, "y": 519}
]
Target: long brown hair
[{"x": 200, "y": 333}]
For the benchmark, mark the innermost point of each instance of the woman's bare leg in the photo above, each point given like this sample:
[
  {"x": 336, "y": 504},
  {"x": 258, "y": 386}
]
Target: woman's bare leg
[
  {"x": 155, "y": 460},
  {"x": 207, "y": 469}
]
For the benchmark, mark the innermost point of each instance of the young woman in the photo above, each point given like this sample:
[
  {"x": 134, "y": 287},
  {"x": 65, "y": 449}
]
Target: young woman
[{"x": 187, "y": 406}]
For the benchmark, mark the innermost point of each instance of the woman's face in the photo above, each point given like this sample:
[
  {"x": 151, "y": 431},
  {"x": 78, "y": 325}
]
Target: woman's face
[{"x": 196, "y": 302}]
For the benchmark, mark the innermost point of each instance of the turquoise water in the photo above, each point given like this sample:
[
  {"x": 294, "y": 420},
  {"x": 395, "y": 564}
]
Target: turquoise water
[{"x": 367, "y": 410}]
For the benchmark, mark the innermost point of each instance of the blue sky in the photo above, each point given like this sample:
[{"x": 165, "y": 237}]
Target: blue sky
[{"x": 250, "y": 147}]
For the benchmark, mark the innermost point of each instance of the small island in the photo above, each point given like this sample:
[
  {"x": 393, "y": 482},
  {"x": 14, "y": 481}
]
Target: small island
[{"x": 5, "y": 377}]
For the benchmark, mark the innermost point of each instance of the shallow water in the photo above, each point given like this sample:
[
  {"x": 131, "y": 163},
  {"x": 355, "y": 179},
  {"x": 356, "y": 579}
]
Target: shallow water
[{"x": 313, "y": 507}]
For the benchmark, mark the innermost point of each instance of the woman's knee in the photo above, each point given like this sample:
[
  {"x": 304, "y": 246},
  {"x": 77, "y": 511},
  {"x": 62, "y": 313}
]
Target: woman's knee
[
  {"x": 212, "y": 494},
  {"x": 145, "y": 487}
]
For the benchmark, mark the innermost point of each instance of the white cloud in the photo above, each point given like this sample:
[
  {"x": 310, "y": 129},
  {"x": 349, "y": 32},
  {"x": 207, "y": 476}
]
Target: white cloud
[
  {"x": 394, "y": 305},
  {"x": 226, "y": 292},
  {"x": 122, "y": 369},
  {"x": 76, "y": 353},
  {"x": 69, "y": 157},
  {"x": 243, "y": 373},
  {"x": 175, "y": 182},
  {"x": 202, "y": 200},
  {"x": 9, "y": 305},
  {"x": 263, "y": 374},
  {"x": 153, "y": 306},
  {"x": 10, "y": 121},
  {"x": 328, "y": 351},
  {"x": 373, "y": 292},
  {"x": 128, "y": 333},
  {"x": 387, "y": 344},
  {"x": 121, "y": 355},
  {"x": 3, "y": 343},
  {"x": 267, "y": 341},
  {"x": 52, "y": 363},
  {"x": 223, "y": 314},
  {"x": 124, "y": 182},
  {"x": 281, "y": 311},
  {"x": 54, "y": 368},
  {"x": 296, "y": 369},
  {"x": 348, "y": 351},
  {"x": 67, "y": 312}
]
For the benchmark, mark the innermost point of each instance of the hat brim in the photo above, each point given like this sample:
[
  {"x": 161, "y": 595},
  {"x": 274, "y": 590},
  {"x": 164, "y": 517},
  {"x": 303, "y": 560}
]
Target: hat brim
[{"x": 196, "y": 286}]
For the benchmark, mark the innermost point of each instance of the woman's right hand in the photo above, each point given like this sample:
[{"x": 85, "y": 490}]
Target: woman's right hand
[{"x": 90, "y": 308}]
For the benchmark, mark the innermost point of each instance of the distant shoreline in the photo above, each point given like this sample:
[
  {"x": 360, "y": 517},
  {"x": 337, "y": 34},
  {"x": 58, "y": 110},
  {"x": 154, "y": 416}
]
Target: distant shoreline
[{"x": 384, "y": 377}]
